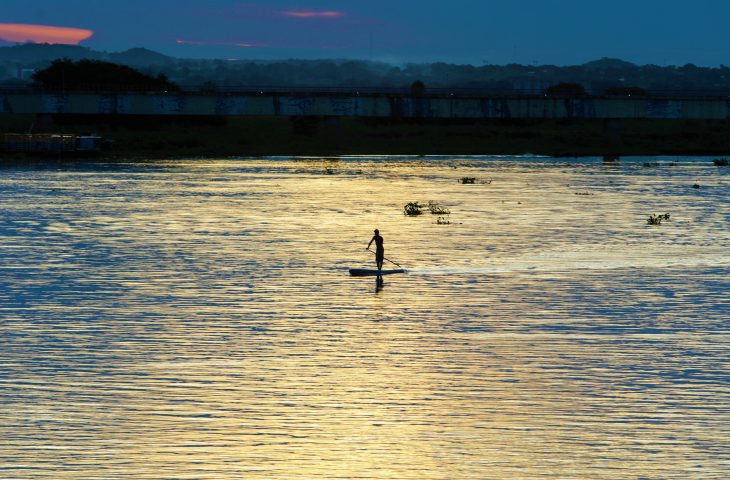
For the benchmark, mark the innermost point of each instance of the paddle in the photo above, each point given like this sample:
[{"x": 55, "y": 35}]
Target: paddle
[{"x": 391, "y": 261}]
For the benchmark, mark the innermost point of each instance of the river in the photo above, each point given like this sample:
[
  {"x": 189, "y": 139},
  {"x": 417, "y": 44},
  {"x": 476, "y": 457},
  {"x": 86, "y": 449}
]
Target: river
[{"x": 194, "y": 319}]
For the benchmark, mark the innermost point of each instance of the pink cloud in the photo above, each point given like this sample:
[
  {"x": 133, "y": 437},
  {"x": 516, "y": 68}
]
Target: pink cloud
[
  {"x": 20, "y": 32},
  {"x": 313, "y": 14}
]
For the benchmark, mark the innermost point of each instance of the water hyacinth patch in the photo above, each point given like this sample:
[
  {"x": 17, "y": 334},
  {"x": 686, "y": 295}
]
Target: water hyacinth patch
[
  {"x": 474, "y": 180},
  {"x": 437, "y": 209},
  {"x": 412, "y": 209},
  {"x": 657, "y": 219}
]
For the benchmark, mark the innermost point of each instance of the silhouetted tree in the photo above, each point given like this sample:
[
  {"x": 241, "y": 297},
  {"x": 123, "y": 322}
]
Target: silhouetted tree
[
  {"x": 208, "y": 87},
  {"x": 596, "y": 76},
  {"x": 566, "y": 90},
  {"x": 418, "y": 88},
  {"x": 626, "y": 91},
  {"x": 66, "y": 74}
]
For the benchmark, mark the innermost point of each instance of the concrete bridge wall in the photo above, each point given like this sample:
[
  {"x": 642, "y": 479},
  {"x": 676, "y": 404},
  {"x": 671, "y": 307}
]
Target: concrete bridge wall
[{"x": 368, "y": 106}]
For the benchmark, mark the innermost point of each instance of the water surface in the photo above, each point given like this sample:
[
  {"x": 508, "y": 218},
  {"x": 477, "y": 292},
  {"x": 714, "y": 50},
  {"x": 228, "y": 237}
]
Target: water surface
[{"x": 195, "y": 320}]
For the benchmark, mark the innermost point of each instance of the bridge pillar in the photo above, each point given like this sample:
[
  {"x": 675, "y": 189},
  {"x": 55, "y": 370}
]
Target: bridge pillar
[
  {"x": 44, "y": 121},
  {"x": 612, "y": 136}
]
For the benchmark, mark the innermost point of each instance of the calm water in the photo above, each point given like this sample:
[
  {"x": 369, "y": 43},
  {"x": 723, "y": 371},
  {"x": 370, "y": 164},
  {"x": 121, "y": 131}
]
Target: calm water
[{"x": 195, "y": 320}]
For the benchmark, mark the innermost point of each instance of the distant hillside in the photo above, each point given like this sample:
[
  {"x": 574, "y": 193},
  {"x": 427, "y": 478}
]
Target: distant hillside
[
  {"x": 140, "y": 57},
  {"x": 33, "y": 53},
  {"x": 19, "y": 62},
  {"x": 608, "y": 63}
]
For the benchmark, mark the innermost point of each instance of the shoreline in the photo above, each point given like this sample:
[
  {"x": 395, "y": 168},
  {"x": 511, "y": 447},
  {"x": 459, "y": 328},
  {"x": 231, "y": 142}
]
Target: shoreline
[{"x": 184, "y": 137}]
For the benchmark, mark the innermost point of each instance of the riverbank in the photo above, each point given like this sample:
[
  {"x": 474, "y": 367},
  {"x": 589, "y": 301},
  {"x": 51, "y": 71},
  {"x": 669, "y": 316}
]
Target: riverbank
[{"x": 158, "y": 137}]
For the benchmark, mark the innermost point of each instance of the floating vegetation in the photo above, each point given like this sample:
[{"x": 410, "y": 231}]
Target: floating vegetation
[
  {"x": 657, "y": 219},
  {"x": 721, "y": 162},
  {"x": 437, "y": 209},
  {"x": 473, "y": 180},
  {"x": 331, "y": 165},
  {"x": 412, "y": 209},
  {"x": 584, "y": 193}
]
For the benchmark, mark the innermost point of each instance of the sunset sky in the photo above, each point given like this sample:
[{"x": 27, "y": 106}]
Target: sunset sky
[{"x": 460, "y": 31}]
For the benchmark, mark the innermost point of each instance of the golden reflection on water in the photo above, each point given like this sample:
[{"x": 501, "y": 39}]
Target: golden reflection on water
[{"x": 194, "y": 319}]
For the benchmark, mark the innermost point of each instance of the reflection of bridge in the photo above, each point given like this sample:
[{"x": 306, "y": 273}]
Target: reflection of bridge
[{"x": 393, "y": 105}]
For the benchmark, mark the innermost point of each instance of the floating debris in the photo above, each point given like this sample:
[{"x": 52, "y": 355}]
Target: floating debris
[
  {"x": 412, "y": 209},
  {"x": 437, "y": 209},
  {"x": 657, "y": 219},
  {"x": 473, "y": 180}
]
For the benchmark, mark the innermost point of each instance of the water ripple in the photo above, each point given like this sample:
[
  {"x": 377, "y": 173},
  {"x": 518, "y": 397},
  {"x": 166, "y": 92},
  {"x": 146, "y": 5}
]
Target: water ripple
[{"x": 195, "y": 320}]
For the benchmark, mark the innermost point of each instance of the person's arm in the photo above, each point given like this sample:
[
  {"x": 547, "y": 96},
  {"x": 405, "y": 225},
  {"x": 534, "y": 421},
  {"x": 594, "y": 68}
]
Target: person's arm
[{"x": 371, "y": 242}]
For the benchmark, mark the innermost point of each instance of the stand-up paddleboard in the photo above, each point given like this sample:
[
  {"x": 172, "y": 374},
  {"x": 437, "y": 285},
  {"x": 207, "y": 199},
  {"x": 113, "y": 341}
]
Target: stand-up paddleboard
[{"x": 365, "y": 272}]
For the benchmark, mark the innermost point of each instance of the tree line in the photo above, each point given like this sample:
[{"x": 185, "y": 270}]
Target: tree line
[{"x": 605, "y": 76}]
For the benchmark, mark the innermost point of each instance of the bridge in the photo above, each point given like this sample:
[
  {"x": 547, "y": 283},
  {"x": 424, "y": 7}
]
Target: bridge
[{"x": 367, "y": 104}]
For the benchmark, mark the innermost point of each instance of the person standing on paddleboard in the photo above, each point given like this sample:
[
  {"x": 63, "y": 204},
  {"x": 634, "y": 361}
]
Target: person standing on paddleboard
[{"x": 379, "y": 249}]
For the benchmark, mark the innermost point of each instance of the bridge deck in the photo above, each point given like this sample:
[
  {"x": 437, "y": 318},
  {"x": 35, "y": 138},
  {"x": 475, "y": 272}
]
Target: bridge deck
[{"x": 368, "y": 105}]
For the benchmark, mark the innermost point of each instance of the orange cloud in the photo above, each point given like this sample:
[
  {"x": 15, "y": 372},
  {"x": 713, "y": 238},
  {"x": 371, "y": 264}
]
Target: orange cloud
[
  {"x": 20, "y": 32},
  {"x": 313, "y": 14}
]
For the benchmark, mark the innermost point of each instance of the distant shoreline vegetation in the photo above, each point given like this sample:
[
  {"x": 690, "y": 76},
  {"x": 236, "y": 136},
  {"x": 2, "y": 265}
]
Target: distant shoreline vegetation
[
  {"x": 607, "y": 76},
  {"x": 66, "y": 74},
  {"x": 157, "y": 136},
  {"x": 177, "y": 137}
]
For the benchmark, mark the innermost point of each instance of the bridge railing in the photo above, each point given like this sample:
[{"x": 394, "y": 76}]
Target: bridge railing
[{"x": 440, "y": 92}]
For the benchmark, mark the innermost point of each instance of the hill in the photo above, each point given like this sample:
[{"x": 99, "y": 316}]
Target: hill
[
  {"x": 608, "y": 63},
  {"x": 140, "y": 57},
  {"x": 28, "y": 53},
  {"x": 18, "y": 62}
]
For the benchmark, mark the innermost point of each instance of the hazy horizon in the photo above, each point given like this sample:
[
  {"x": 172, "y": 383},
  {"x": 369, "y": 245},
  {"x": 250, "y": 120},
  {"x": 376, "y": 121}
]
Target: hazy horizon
[{"x": 346, "y": 59}]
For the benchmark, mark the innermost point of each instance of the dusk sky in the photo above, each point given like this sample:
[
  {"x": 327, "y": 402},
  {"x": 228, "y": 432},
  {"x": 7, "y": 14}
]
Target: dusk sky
[{"x": 562, "y": 32}]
